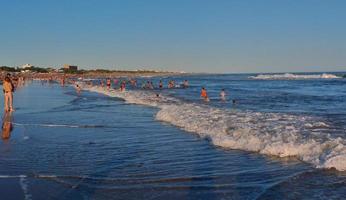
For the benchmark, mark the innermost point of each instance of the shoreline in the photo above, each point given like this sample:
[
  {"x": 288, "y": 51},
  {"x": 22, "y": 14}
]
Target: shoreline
[{"x": 95, "y": 75}]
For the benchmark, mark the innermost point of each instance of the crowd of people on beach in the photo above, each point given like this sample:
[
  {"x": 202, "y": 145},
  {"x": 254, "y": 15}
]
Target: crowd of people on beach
[{"x": 12, "y": 82}]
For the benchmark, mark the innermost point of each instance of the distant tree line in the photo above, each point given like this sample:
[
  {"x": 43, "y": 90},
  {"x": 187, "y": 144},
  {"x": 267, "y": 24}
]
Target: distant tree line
[
  {"x": 31, "y": 69},
  {"x": 68, "y": 71},
  {"x": 122, "y": 71},
  {"x": 9, "y": 69}
]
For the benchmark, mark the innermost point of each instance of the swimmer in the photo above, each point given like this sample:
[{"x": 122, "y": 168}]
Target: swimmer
[
  {"x": 133, "y": 82},
  {"x": 160, "y": 84},
  {"x": 147, "y": 85},
  {"x": 223, "y": 95},
  {"x": 78, "y": 88},
  {"x": 171, "y": 84},
  {"x": 186, "y": 84}
]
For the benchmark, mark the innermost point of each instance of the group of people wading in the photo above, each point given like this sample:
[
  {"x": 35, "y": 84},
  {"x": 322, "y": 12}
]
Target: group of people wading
[
  {"x": 205, "y": 97},
  {"x": 150, "y": 85}
]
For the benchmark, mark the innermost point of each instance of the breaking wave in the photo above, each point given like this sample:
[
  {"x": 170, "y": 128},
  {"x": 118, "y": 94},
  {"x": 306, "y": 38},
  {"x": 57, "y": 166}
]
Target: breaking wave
[
  {"x": 288, "y": 76},
  {"x": 275, "y": 134}
]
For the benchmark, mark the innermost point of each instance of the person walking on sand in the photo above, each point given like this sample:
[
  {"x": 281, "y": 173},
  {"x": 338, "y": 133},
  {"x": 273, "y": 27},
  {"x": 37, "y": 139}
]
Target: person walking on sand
[{"x": 8, "y": 89}]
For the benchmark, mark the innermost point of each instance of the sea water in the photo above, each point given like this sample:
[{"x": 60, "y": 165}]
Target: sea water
[{"x": 283, "y": 138}]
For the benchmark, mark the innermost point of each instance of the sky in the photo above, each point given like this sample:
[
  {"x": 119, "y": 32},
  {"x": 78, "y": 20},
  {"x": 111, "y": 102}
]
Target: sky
[{"x": 213, "y": 36}]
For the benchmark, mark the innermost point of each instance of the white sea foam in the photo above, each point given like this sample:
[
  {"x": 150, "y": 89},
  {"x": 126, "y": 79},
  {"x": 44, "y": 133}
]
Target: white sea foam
[
  {"x": 59, "y": 125},
  {"x": 267, "y": 133},
  {"x": 13, "y": 176},
  {"x": 288, "y": 76},
  {"x": 24, "y": 185},
  {"x": 23, "y": 182}
]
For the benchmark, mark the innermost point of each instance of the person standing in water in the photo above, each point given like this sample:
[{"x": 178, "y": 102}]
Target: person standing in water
[
  {"x": 108, "y": 84},
  {"x": 123, "y": 86},
  {"x": 185, "y": 84},
  {"x": 78, "y": 88},
  {"x": 8, "y": 89},
  {"x": 62, "y": 81},
  {"x": 223, "y": 95},
  {"x": 204, "y": 94}
]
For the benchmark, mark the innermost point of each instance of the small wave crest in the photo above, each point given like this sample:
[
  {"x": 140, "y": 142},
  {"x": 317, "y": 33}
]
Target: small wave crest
[
  {"x": 276, "y": 134},
  {"x": 63, "y": 125},
  {"x": 12, "y": 176},
  {"x": 288, "y": 76}
]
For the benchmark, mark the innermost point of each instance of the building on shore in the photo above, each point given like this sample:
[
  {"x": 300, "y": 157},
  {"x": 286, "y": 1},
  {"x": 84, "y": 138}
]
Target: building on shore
[
  {"x": 68, "y": 67},
  {"x": 26, "y": 66}
]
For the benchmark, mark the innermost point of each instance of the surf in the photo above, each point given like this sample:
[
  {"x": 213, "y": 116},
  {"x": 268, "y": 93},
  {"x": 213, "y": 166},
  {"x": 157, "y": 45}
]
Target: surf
[
  {"x": 273, "y": 134},
  {"x": 289, "y": 76}
]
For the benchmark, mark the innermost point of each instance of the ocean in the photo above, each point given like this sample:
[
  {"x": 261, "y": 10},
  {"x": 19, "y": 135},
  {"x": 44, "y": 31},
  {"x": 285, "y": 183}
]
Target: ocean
[{"x": 277, "y": 136}]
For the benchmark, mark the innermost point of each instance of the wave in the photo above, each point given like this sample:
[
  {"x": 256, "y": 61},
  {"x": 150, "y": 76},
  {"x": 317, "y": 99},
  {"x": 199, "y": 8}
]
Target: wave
[
  {"x": 63, "y": 125},
  {"x": 275, "y": 134},
  {"x": 25, "y": 188},
  {"x": 288, "y": 76},
  {"x": 12, "y": 176},
  {"x": 22, "y": 182}
]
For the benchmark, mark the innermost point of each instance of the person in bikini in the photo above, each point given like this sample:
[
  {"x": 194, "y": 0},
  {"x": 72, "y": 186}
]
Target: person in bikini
[
  {"x": 108, "y": 83},
  {"x": 8, "y": 90}
]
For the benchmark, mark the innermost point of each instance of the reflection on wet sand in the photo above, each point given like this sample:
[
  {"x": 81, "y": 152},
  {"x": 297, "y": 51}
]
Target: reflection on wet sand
[{"x": 7, "y": 125}]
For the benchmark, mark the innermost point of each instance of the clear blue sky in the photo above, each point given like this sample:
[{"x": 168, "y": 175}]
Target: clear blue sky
[{"x": 192, "y": 35}]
